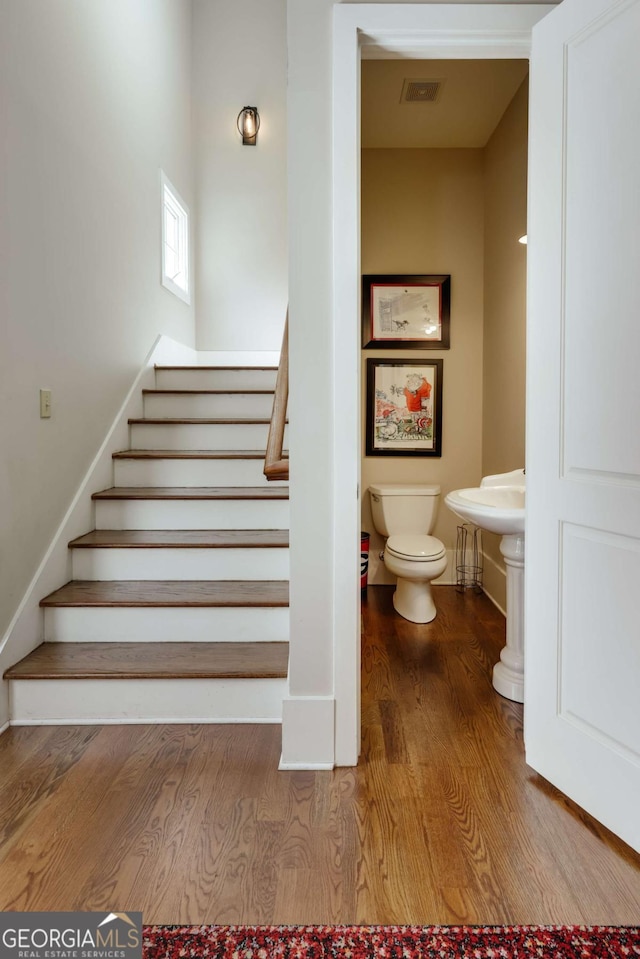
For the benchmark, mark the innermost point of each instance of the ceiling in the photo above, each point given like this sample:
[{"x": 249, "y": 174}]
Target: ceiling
[{"x": 471, "y": 101}]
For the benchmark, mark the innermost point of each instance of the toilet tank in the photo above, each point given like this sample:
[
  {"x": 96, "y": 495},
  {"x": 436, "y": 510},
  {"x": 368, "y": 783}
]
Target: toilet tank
[{"x": 404, "y": 509}]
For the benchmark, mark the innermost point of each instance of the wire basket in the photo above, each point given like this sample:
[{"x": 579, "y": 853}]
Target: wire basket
[{"x": 469, "y": 558}]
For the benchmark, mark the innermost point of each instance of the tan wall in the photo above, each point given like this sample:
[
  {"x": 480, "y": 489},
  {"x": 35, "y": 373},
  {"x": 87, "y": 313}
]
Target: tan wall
[
  {"x": 503, "y": 405},
  {"x": 422, "y": 212}
]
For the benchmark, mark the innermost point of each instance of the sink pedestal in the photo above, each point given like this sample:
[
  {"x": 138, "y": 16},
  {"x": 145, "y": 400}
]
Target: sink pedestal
[
  {"x": 497, "y": 505},
  {"x": 508, "y": 674}
]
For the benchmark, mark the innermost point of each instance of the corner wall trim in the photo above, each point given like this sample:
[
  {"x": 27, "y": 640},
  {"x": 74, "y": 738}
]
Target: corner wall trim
[{"x": 308, "y": 732}]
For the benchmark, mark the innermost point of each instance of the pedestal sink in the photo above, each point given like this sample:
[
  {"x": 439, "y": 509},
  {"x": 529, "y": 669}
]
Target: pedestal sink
[{"x": 497, "y": 505}]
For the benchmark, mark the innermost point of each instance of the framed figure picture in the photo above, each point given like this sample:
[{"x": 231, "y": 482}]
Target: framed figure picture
[
  {"x": 411, "y": 312},
  {"x": 404, "y": 407}
]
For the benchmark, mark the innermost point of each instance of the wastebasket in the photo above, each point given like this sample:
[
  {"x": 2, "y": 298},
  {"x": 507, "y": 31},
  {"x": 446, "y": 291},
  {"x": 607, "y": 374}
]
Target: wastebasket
[
  {"x": 364, "y": 560},
  {"x": 469, "y": 558}
]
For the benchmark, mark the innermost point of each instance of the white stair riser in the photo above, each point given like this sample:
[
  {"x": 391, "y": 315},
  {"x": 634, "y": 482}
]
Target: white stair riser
[
  {"x": 199, "y": 436},
  {"x": 147, "y": 700},
  {"x": 216, "y": 379},
  {"x": 192, "y": 514},
  {"x": 169, "y": 624},
  {"x": 176, "y": 564},
  {"x": 210, "y": 406},
  {"x": 191, "y": 472}
]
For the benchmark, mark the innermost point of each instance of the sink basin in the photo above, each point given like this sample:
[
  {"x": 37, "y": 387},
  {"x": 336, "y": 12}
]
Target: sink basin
[{"x": 497, "y": 505}]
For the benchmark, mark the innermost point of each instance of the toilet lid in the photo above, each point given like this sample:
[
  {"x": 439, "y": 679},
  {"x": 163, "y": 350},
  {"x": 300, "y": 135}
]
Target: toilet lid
[{"x": 416, "y": 546}]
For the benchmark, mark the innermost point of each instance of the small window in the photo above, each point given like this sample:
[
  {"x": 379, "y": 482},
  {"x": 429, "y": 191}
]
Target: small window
[{"x": 175, "y": 241}]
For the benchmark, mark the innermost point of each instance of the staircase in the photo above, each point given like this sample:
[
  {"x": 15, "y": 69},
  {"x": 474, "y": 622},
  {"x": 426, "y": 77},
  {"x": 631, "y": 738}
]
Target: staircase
[{"x": 178, "y": 606}]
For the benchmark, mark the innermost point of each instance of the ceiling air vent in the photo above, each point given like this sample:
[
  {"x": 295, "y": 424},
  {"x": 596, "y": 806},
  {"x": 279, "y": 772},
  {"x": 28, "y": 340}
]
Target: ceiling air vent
[{"x": 420, "y": 91}]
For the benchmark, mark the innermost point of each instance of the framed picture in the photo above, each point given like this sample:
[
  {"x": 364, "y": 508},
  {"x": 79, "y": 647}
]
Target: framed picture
[
  {"x": 406, "y": 311},
  {"x": 404, "y": 407}
]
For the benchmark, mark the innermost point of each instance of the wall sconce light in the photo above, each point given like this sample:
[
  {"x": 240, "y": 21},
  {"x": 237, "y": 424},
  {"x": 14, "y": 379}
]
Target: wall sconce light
[
  {"x": 248, "y": 124},
  {"x": 523, "y": 239}
]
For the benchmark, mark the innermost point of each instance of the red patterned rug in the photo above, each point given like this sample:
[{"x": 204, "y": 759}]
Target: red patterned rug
[{"x": 391, "y": 942}]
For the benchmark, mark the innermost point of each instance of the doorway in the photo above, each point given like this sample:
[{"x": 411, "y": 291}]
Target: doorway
[
  {"x": 379, "y": 31},
  {"x": 444, "y": 192}
]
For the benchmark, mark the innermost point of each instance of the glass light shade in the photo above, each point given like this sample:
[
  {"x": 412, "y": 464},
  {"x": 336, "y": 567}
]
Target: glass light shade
[{"x": 248, "y": 124}]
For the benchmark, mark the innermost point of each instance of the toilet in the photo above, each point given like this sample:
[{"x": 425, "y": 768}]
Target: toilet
[{"x": 406, "y": 515}]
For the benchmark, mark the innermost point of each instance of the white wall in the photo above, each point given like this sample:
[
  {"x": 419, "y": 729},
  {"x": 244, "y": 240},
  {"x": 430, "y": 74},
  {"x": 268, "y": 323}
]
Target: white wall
[
  {"x": 310, "y": 375},
  {"x": 95, "y": 100},
  {"x": 239, "y": 59}
]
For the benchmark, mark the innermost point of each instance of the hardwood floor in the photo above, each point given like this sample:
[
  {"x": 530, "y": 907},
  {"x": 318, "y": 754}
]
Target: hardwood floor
[
  {"x": 179, "y": 592},
  {"x": 153, "y": 661},
  {"x": 192, "y": 492},
  {"x": 182, "y": 539},
  {"x": 441, "y": 822}
]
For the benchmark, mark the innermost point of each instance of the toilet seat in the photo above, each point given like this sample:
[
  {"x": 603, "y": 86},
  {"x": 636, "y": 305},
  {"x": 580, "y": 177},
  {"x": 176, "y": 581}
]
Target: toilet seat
[{"x": 416, "y": 547}]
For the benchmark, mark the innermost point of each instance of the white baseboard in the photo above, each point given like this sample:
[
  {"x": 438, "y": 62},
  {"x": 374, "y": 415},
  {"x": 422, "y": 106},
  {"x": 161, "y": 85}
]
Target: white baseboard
[
  {"x": 162, "y": 624},
  {"x": 167, "y": 721},
  {"x": 26, "y": 629},
  {"x": 238, "y": 358},
  {"x": 192, "y": 514},
  {"x": 494, "y": 601},
  {"x": 4, "y": 727},
  {"x": 308, "y": 724},
  {"x": 310, "y": 766},
  {"x": 125, "y": 701},
  {"x": 5, "y": 706},
  {"x": 238, "y": 563},
  {"x": 494, "y": 581}
]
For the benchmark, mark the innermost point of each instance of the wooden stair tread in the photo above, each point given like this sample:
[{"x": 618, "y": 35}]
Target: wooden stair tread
[
  {"x": 198, "y": 421},
  {"x": 193, "y": 492},
  {"x": 192, "y": 454},
  {"x": 161, "y": 593},
  {"x": 249, "y": 392},
  {"x": 181, "y": 539},
  {"x": 153, "y": 661},
  {"x": 271, "y": 368}
]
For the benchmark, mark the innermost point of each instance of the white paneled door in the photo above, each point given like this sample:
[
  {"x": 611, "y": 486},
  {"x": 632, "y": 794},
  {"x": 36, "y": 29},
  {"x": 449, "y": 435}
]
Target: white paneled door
[{"x": 582, "y": 713}]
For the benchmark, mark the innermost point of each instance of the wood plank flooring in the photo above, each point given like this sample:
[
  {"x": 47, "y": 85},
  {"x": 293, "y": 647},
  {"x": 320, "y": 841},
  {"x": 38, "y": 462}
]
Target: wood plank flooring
[
  {"x": 193, "y": 492},
  {"x": 189, "y": 455},
  {"x": 197, "y": 420},
  {"x": 153, "y": 661},
  {"x": 441, "y": 822},
  {"x": 162, "y": 592},
  {"x": 273, "y": 369},
  {"x": 182, "y": 539},
  {"x": 247, "y": 392}
]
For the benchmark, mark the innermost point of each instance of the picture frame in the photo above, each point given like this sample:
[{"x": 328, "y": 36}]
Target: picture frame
[
  {"x": 404, "y": 407},
  {"x": 406, "y": 311}
]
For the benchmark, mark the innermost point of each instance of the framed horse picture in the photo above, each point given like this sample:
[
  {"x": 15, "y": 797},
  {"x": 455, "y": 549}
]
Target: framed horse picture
[{"x": 412, "y": 312}]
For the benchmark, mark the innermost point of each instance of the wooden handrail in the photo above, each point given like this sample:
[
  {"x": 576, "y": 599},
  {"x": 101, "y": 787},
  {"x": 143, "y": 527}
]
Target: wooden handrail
[{"x": 276, "y": 466}]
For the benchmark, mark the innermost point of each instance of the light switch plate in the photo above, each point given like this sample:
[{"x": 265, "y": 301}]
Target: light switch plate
[{"x": 45, "y": 404}]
